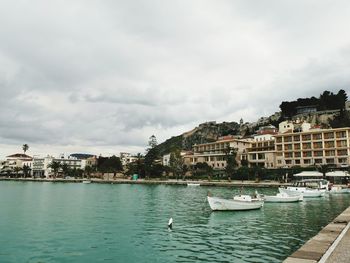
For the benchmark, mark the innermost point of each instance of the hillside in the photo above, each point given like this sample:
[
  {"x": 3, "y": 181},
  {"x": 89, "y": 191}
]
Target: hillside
[
  {"x": 205, "y": 132},
  {"x": 328, "y": 111}
]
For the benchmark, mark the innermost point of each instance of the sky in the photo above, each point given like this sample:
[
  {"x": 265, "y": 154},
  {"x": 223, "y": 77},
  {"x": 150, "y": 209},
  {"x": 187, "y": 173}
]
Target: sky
[{"x": 101, "y": 77}]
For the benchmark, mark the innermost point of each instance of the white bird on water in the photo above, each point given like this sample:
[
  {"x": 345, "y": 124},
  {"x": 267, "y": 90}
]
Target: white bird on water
[{"x": 170, "y": 223}]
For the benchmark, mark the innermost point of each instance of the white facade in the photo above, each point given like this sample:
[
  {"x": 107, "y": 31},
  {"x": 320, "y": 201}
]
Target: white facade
[
  {"x": 127, "y": 158},
  {"x": 166, "y": 160},
  {"x": 285, "y": 126}
]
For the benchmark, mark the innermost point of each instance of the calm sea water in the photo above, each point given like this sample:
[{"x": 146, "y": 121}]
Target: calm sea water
[{"x": 61, "y": 222}]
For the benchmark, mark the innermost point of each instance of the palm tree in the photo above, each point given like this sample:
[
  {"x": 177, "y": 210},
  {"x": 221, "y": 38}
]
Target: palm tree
[
  {"x": 323, "y": 169},
  {"x": 55, "y": 166},
  {"x": 25, "y": 148},
  {"x": 65, "y": 169},
  {"x": 26, "y": 170}
]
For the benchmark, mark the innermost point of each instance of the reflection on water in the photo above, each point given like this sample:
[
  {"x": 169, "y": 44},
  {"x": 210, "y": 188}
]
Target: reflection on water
[{"x": 128, "y": 223}]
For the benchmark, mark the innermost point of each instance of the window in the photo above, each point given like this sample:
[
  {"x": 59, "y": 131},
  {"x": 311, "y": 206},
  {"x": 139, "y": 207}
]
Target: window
[
  {"x": 317, "y": 136},
  {"x": 297, "y": 154},
  {"x": 317, "y": 145},
  {"x": 306, "y": 154},
  {"x": 306, "y": 137},
  {"x": 329, "y": 144},
  {"x": 296, "y": 138},
  {"x": 318, "y": 161},
  {"x": 288, "y": 139},
  {"x": 307, "y": 145},
  {"x": 329, "y": 135},
  {"x": 318, "y": 153},
  {"x": 342, "y": 152},
  {"x": 340, "y": 134},
  {"x": 330, "y": 153},
  {"x": 341, "y": 143},
  {"x": 296, "y": 146},
  {"x": 288, "y": 147}
]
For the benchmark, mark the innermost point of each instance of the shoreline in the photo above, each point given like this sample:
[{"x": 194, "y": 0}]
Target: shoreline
[{"x": 233, "y": 183}]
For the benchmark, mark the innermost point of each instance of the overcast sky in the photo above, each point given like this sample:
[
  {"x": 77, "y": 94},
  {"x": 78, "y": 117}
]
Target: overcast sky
[{"x": 103, "y": 76}]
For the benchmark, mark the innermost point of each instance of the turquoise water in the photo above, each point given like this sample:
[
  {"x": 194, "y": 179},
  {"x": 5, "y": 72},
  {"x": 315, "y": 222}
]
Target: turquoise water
[{"x": 63, "y": 222}]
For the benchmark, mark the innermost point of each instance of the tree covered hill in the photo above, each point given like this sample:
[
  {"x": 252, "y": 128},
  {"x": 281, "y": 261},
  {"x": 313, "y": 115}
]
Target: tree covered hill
[{"x": 326, "y": 101}]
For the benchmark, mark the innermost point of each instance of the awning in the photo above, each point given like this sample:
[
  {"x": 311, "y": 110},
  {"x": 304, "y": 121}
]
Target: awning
[
  {"x": 309, "y": 174},
  {"x": 338, "y": 174}
]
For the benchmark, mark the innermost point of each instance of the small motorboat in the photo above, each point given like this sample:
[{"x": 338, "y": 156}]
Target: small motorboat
[
  {"x": 86, "y": 181},
  {"x": 238, "y": 203},
  {"x": 283, "y": 198},
  {"x": 193, "y": 184}
]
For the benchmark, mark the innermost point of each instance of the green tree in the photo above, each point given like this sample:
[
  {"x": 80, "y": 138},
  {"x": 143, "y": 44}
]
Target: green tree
[
  {"x": 231, "y": 163},
  {"x": 25, "y": 148},
  {"x": 55, "y": 166},
  {"x": 176, "y": 163}
]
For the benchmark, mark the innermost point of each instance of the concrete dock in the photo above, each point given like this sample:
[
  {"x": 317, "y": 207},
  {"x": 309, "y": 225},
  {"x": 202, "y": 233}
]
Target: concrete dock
[{"x": 330, "y": 245}]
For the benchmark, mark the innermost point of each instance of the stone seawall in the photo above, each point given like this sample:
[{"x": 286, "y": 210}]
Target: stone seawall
[{"x": 320, "y": 247}]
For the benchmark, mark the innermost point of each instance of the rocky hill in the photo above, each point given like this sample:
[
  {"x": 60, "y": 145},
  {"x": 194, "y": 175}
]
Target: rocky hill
[{"x": 205, "y": 132}]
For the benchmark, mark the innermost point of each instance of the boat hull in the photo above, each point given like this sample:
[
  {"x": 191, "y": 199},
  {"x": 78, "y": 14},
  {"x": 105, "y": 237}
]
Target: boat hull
[
  {"x": 220, "y": 204},
  {"x": 283, "y": 199}
]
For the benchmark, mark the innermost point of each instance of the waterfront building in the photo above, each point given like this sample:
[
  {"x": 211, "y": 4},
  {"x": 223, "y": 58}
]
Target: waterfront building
[
  {"x": 18, "y": 160},
  {"x": 313, "y": 147},
  {"x": 214, "y": 153}
]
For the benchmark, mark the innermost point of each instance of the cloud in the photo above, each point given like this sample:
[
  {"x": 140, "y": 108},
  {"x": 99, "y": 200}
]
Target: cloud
[{"x": 103, "y": 76}]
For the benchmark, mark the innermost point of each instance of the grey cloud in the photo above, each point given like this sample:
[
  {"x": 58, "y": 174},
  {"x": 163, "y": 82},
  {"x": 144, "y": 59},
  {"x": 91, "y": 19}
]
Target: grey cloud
[{"x": 106, "y": 75}]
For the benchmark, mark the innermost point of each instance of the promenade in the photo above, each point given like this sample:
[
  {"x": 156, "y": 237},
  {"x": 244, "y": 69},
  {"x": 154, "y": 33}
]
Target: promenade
[{"x": 330, "y": 245}]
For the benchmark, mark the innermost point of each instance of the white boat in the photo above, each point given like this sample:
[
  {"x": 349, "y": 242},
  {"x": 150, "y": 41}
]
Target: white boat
[
  {"x": 339, "y": 190},
  {"x": 240, "y": 202},
  {"x": 283, "y": 198},
  {"x": 86, "y": 181},
  {"x": 307, "y": 187},
  {"x": 193, "y": 184}
]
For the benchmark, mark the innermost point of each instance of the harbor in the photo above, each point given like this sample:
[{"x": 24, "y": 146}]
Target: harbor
[{"x": 68, "y": 222}]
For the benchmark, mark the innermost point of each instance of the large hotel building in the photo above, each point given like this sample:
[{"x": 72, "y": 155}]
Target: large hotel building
[{"x": 313, "y": 147}]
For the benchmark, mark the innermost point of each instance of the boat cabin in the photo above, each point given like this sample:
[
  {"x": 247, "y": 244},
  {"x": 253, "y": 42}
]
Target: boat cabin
[{"x": 312, "y": 183}]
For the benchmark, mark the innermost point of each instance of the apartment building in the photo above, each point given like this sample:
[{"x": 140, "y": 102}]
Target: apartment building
[
  {"x": 313, "y": 147},
  {"x": 214, "y": 153}
]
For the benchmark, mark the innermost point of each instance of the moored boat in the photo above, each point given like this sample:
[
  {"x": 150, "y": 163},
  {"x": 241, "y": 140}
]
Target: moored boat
[
  {"x": 238, "y": 203},
  {"x": 283, "y": 198},
  {"x": 193, "y": 184},
  {"x": 339, "y": 190},
  {"x": 86, "y": 181},
  {"x": 308, "y": 187}
]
